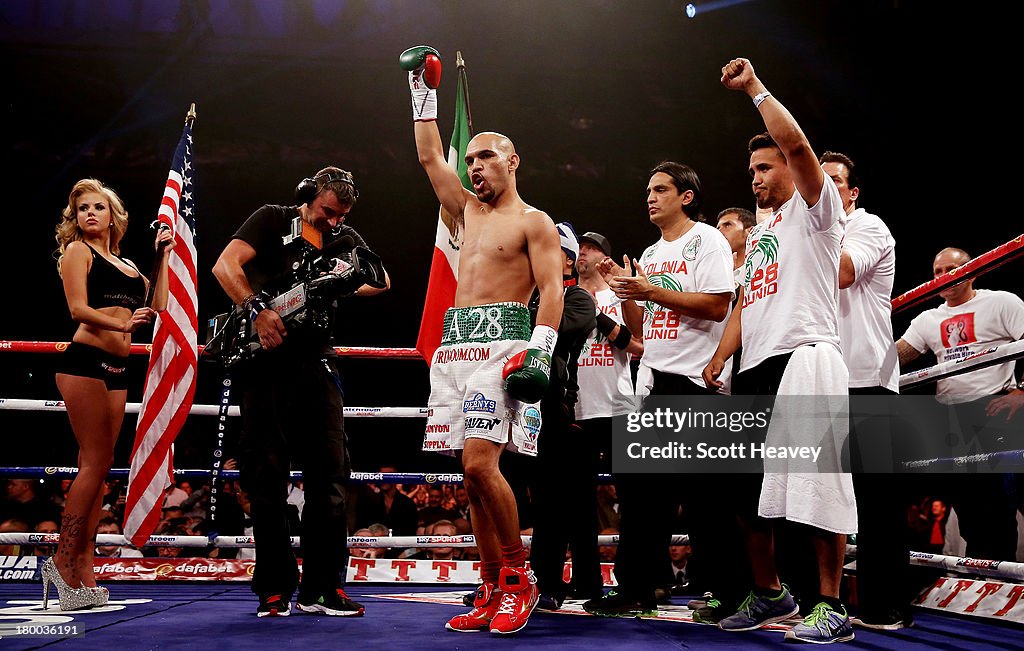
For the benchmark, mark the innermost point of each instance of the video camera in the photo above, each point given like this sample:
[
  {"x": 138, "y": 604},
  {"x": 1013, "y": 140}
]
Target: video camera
[{"x": 306, "y": 304}]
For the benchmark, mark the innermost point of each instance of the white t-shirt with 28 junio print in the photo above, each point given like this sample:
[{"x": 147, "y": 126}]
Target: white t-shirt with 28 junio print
[
  {"x": 699, "y": 261},
  {"x": 791, "y": 287},
  {"x": 606, "y": 386}
]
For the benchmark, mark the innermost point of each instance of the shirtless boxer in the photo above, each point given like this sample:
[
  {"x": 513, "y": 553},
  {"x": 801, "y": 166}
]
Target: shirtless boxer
[{"x": 490, "y": 370}]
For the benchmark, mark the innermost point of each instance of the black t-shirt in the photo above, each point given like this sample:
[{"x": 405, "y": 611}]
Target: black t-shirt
[
  {"x": 265, "y": 231},
  {"x": 271, "y": 269},
  {"x": 579, "y": 317}
]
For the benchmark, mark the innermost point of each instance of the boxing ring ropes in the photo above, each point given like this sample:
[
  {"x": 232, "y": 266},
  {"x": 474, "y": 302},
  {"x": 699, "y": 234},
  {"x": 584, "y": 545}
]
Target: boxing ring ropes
[{"x": 993, "y": 259}]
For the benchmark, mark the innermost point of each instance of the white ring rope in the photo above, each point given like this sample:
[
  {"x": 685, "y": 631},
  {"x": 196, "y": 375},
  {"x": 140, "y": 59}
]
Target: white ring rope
[
  {"x": 997, "y": 569},
  {"x": 988, "y": 357},
  {"x": 117, "y": 540}
]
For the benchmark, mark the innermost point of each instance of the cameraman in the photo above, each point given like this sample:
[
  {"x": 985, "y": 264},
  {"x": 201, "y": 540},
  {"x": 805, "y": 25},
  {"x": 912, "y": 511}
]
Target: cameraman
[{"x": 292, "y": 398}]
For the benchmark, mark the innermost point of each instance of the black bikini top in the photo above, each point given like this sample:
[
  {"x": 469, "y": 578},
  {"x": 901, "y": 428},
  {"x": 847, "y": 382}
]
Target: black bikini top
[{"x": 108, "y": 286}]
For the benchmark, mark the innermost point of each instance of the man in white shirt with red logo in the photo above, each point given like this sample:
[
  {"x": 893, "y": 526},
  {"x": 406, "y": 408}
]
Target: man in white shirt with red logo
[
  {"x": 968, "y": 322},
  {"x": 679, "y": 299},
  {"x": 789, "y": 311}
]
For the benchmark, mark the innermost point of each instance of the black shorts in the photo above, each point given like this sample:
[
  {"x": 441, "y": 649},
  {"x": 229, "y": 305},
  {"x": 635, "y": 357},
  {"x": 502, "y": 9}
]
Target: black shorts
[{"x": 84, "y": 360}]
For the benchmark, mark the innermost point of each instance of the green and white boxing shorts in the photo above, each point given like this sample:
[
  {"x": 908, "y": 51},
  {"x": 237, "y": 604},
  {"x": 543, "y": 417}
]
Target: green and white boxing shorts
[{"x": 466, "y": 395}]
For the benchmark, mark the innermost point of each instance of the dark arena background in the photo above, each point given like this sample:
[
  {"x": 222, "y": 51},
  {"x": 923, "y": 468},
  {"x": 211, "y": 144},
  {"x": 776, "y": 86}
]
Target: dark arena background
[{"x": 593, "y": 93}]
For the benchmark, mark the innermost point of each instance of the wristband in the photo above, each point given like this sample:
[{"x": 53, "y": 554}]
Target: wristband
[
  {"x": 605, "y": 324},
  {"x": 254, "y": 304},
  {"x": 623, "y": 338},
  {"x": 543, "y": 338},
  {"x": 761, "y": 97}
]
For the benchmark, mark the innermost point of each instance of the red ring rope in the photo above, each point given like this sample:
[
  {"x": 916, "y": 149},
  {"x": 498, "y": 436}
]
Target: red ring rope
[{"x": 144, "y": 349}]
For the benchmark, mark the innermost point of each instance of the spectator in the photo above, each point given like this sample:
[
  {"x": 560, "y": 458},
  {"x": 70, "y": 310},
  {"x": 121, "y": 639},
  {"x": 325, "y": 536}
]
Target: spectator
[
  {"x": 12, "y": 525},
  {"x": 366, "y": 552},
  {"x": 434, "y": 511},
  {"x": 389, "y": 507},
  {"x": 173, "y": 552},
  {"x": 45, "y": 526},
  {"x": 24, "y": 504},
  {"x": 174, "y": 496},
  {"x": 111, "y": 527},
  {"x": 171, "y": 515},
  {"x": 938, "y": 515},
  {"x": 442, "y": 528},
  {"x": 462, "y": 502},
  {"x": 380, "y": 531},
  {"x": 418, "y": 495},
  {"x": 679, "y": 554},
  {"x": 464, "y": 528}
]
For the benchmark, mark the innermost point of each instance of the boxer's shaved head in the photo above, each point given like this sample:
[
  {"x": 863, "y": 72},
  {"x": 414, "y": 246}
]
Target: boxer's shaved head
[{"x": 494, "y": 141}]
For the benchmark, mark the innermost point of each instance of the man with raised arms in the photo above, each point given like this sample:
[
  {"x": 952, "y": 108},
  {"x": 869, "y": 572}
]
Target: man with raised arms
[{"x": 490, "y": 371}]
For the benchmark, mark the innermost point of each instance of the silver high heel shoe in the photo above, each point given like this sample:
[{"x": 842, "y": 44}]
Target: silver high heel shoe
[
  {"x": 70, "y": 598},
  {"x": 101, "y": 594}
]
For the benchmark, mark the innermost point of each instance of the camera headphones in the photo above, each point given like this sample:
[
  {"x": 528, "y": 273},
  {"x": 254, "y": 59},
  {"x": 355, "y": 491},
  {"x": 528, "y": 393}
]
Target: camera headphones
[{"x": 309, "y": 187}]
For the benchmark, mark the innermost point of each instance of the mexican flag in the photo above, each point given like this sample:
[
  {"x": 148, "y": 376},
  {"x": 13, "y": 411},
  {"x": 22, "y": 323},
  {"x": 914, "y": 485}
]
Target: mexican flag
[{"x": 444, "y": 268}]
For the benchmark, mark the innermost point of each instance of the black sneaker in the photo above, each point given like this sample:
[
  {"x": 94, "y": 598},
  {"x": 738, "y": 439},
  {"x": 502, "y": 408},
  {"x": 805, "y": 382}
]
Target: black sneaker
[
  {"x": 712, "y": 612},
  {"x": 550, "y": 602},
  {"x": 663, "y": 595},
  {"x": 335, "y": 604},
  {"x": 273, "y": 606},
  {"x": 614, "y": 604},
  {"x": 699, "y": 602}
]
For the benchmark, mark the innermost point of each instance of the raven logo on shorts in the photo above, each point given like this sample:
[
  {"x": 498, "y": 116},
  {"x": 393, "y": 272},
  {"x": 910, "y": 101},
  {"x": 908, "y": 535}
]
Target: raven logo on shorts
[
  {"x": 479, "y": 402},
  {"x": 531, "y": 422},
  {"x": 481, "y": 424}
]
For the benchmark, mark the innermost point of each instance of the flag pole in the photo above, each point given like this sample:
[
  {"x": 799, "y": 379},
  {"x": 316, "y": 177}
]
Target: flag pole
[
  {"x": 460, "y": 64},
  {"x": 158, "y": 226}
]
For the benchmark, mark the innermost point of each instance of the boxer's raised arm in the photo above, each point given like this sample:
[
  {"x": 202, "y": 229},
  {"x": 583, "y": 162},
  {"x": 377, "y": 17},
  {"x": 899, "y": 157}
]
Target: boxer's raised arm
[{"x": 424, "y": 67}]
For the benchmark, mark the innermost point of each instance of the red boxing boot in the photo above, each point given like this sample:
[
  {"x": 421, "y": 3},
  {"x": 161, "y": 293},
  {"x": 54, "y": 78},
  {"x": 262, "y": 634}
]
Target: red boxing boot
[
  {"x": 485, "y": 604},
  {"x": 519, "y": 599}
]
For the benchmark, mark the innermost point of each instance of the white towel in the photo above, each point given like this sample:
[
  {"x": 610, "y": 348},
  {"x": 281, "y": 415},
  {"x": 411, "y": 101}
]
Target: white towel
[{"x": 821, "y": 499}]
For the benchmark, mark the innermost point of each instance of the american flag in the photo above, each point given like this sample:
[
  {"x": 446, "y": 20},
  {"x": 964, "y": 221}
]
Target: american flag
[{"x": 171, "y": 378}]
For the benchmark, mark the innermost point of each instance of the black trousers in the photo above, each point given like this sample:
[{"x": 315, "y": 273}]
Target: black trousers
[
  {"x": 648, "y": 505},
  {"x": 564, "y": 487},
  {"x": 986, "y": 503},
  {"x": 292, "y": 410},
  {"x": 883, "y": 573}
]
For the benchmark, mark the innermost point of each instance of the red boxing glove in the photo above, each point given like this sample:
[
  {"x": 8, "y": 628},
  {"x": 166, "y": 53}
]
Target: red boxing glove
[
  {"x": 424, "y": 66},
  {"x": 432, "y": 71}
]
